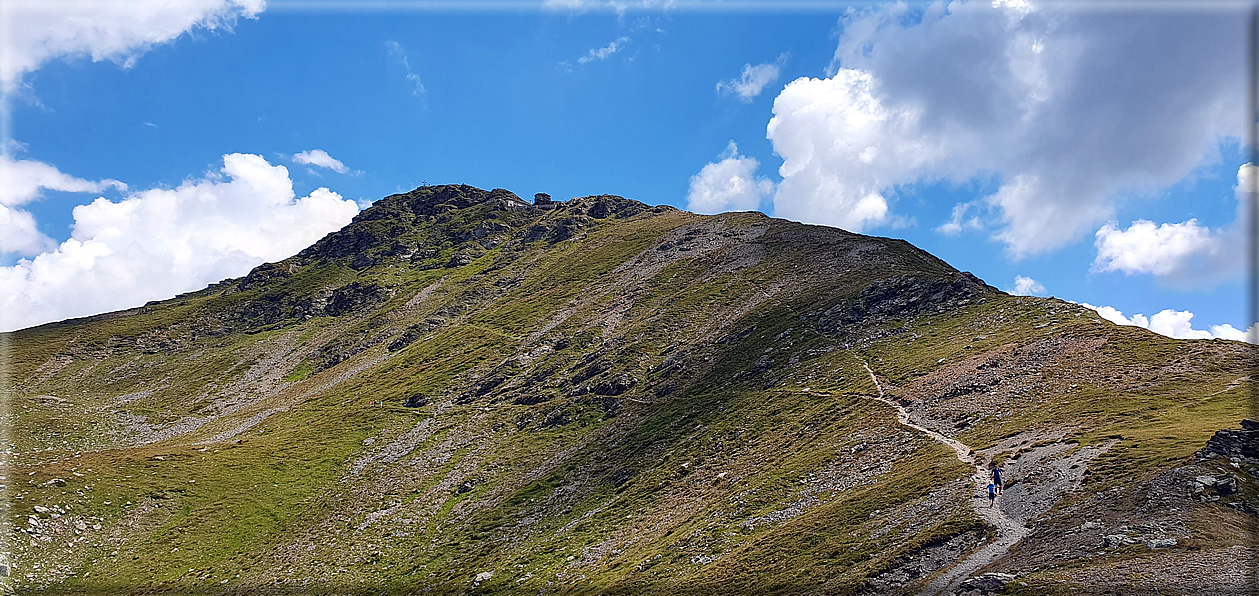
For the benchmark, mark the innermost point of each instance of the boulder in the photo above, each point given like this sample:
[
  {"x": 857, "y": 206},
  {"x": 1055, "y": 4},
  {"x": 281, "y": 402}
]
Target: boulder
[
  {"x": 1118, "y": 540},
  {"x": 1161, "y": 543},
  {"x": 988, "y": 582},
  {"x": 467, "y": 486}
]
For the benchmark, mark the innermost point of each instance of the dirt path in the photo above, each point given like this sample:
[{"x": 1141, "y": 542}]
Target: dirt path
[{"x": 1009, "y": 530}]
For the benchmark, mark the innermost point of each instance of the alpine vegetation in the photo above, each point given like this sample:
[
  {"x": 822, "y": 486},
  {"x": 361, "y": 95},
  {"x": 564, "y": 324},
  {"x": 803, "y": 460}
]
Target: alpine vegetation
[{"x": 464, "y": 392}]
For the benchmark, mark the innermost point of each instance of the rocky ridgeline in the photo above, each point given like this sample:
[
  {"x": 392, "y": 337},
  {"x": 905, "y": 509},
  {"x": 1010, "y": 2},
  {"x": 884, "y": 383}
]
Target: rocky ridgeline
[
  {"x": 431, "y": 227},
  {"x": 386, "y": 231}
]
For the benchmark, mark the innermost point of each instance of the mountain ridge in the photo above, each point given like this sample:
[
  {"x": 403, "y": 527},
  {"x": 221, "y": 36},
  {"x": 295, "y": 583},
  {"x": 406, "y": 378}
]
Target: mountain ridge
[{"x": 464, "y": 392}]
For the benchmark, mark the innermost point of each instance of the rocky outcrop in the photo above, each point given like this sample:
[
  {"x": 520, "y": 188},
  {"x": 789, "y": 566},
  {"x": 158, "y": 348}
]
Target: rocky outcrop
[
  {"x": 988, "y": 583},
  {"x": 558, "y": 229},
  {"x": 266, "y": 273},
  {"x": 1242, "y": 445},
  {"x": 354, "y": 296},
  {"x": 615, "y": 386},
  {"x": 903, "y": 297},
  {"x": 374, "y": 233},
  {"x": 408, "y": 337},
  {"x": 605, "y": 206}
]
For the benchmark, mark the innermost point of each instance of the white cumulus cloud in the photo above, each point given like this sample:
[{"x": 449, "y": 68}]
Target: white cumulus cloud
[
  {"x": 1186, "y": 253},
  {"x": 23, "y": 181},
  {"x": 1068, "y": 111},
  {"x": 1026, "y": 286},
  {"x": 753, "y": 79},
  {"x": 730, "y": 184},
  {"x": 1177, "y": 324},
  {"x": 34, "y": 32},
  {"x": 830, "y": 134},
  {"x": 320, "y": 158},
  {"x": 20, "y": 235},
  {"x": 156, "y": 243},
  {"x": 1148, "y": 248}
]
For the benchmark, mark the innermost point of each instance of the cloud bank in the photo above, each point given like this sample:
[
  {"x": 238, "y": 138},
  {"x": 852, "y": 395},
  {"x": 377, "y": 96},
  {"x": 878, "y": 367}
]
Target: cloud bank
[
  {"x": 24, "y": 181},
  {"x": 1176, "y": 324},
  {"x": 36, "y": 32},
  {"x": 160, "y": 242},
  {"x": 1070, "y": 111}
]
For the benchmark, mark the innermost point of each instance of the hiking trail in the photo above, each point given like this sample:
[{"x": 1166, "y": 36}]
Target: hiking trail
[{"x": 1009, "y": 531}]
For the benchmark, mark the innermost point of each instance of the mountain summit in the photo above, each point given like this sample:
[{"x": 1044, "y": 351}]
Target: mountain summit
[{"x": 465, "y": 392}]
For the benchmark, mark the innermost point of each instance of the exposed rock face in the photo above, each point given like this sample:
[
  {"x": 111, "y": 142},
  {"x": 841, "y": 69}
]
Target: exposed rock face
[
  {"x": 266, "y": 273},
  {"x": 903, "y": 297},
  {"x": 988, "y": 583},
  {"x": 931, "y": 558},
  {"x": 614, "y": 386},
  {"x": 605, "y": 206},
  {"x": 376, "y": 228},
  {"x": 1231, "y": 443},
  {"x": 407, "y": 338},
  {"x": 354, "y": 297}
]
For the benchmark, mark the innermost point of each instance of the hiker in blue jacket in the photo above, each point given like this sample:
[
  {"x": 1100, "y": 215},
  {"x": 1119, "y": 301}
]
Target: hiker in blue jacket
[
  {"x": 996, "y": 478},
  {"x": 992, "y": 493}
]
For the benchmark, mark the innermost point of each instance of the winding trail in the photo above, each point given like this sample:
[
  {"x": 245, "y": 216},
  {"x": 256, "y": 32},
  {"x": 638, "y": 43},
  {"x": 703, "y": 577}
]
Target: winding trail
[{"x": 1009, "y": 531}]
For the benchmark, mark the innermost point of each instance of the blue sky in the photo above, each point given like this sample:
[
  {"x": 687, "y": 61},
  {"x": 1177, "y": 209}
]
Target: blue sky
[{"x": 1096, "y": 154}]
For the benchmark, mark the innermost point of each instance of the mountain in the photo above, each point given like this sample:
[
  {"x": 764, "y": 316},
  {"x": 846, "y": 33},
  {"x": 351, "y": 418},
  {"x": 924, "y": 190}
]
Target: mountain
[{"x": 464, "y": 392}]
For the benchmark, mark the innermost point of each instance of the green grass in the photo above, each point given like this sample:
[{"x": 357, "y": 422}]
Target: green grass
[
  {"x": 633, "y": 478},
  {"x": 302, "y": 371}
]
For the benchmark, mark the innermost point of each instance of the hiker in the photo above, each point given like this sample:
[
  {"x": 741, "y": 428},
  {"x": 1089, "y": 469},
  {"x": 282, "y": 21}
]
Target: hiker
[
  {"x": 992, "y": 493},
  {"x": 996, "y": 478}
]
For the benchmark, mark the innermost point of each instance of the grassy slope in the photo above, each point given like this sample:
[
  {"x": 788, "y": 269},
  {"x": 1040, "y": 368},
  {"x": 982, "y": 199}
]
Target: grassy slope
[{"x": 645, "y": 491}]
